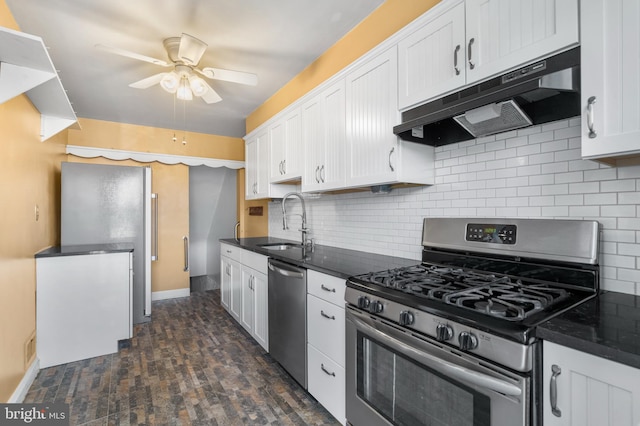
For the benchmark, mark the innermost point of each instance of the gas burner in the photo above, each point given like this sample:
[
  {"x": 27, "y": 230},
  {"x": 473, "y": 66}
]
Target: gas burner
[{"x": 491, "y": 308}]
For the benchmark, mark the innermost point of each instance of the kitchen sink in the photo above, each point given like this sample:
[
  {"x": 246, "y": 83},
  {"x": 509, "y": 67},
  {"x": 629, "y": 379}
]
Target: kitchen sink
[{"x": 280, "y": 246}]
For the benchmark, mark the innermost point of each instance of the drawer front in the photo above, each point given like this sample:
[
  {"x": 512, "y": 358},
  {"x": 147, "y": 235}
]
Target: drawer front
[
  {"x": 327, "y": 383},
  {"x": 325, "y": 328},
  {"x": 326, "y": 287},
  {"x": 255, "y": 261},
  {"x": 231, "y": 252}
]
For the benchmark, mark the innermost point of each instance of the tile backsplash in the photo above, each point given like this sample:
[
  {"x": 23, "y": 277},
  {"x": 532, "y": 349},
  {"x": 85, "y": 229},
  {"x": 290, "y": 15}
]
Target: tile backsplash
[{"x": 536, "y": 172}]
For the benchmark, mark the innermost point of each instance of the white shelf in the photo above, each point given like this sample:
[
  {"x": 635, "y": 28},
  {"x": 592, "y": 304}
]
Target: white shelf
[{"x": 25, "y": 67}]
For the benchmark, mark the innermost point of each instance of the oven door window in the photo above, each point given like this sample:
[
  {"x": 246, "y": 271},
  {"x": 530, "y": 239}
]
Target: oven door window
[{"x": 408, "y": 393}]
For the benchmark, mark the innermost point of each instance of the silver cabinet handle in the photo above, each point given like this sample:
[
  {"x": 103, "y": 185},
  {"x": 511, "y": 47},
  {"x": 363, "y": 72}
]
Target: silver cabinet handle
[
  {"x": 154, "y": 233},
  {"x": 390, "y": 154},
  {"x": 471, "y": 64},
  {"x": 280, "y": 167},
  {"x": 331, "y": 317},
  {"x": 251, "y": 282},
  {"x": 317, "y": 170},
  {"x": 325, "y": 288},
  {"x": 590, "y": 102},
  {"x": 284, "y": 167},
  {"x": 235, "y": 233},
  {"x": 185, "y": 241},
  {"x": 322, "y": 173},
  {"x": 455, "y": 60},
  {"x": 553, "y": 390},
  {"x": 327, "y": 372}
]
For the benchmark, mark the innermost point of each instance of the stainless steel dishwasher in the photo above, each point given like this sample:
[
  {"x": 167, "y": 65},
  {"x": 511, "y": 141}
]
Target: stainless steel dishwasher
[{"x": 288, "y": 318}]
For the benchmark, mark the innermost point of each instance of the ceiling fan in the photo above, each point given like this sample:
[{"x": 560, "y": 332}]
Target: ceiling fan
[{"x": 185, "y": 53}]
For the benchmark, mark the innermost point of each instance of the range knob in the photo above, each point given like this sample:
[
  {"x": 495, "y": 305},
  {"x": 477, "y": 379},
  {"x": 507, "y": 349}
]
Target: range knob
[
  {"x": 406, "y": 318},
  {"x": 375, "y": 307},
  {"x": 443, "y": 332},
  {"x": 467, "y": 341},
  {"x": 363, "y": 302}
]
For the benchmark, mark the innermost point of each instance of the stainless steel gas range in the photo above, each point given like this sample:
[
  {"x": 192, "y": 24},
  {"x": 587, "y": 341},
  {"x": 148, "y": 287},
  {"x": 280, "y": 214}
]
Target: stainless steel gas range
[{"x": 451, "y": 341}]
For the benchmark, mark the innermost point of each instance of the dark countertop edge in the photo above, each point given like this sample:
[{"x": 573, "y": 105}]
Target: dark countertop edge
[
  {"x": 252, "y": 244},
  {"x": 84, "y": 249},
  {"x": 594, "y": 328}
]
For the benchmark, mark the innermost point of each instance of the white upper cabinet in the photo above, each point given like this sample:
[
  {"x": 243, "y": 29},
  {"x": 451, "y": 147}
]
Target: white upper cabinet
[
  {"x": 503, "y": 34},
  {"x": 610, "y": 42},
  {"x": 433, "y": 58},
  {"x": 286, "y": 148},
  {"x": 374, "y": 154},
  {"x": 257, "y": 185},
  {"x": 581, "y": 389},
  {"x": 324, "y": 136},
  {"x": 474, "y": 40}
]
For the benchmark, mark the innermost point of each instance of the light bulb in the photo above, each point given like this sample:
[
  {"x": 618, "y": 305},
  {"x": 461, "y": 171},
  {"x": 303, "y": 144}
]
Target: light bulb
[
  {"x": 184, "y": 91},
  {"x": 198, "y": 86},
  {"x": 170, "y": 82}
]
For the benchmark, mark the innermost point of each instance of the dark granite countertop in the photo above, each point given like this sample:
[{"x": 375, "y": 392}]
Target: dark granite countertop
[
  {"x": 84, "y": 249},
  {"x": 329, "y": 260},
  {"x": 607, "y": 326}
]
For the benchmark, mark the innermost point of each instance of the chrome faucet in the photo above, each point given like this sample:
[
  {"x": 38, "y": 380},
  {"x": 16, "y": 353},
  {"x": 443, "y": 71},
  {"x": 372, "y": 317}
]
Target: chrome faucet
[{"x": 304, "y": 228}]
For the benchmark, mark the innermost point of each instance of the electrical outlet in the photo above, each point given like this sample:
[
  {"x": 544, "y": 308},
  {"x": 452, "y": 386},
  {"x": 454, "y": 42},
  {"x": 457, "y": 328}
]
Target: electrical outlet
[
  {"x": 29, "y": 350},
  {"x": 37, "y": 212}
]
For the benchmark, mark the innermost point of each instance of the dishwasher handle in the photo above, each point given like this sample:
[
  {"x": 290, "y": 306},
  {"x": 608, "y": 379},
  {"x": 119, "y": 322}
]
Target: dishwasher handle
[{"x": 286, "y": 270}]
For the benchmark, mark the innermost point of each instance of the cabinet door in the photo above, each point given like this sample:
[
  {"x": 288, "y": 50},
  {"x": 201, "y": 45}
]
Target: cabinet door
[
  {"x": 432, "y": 59},
  {"x": 610, "y": 77},
  {"x": 251, "y": 167},
  {"x": 246, "y": 293},
  {"x": 590, "y": 390},
  {"x": 262, "y": 172},
  {"x": 277, "y": 151},
  {"x": 503, "y": 34},
  {"x": 235, "y": 279},
  {"x": 313, "y": 137},
  {"x": 261, "y": 310},
  {"x": 225, "y": 283},
  {"x": 371, "y": 114},
  {"x": 293, "y": 145},
  {"x": 332, "y": 168}
]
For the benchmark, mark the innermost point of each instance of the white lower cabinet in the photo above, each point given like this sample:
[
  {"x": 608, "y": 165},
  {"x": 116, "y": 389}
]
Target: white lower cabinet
[
  {"x": 588, "y": 390},
  {"x": 244, "y": 290},
  {"x": 326, "y": 342}
]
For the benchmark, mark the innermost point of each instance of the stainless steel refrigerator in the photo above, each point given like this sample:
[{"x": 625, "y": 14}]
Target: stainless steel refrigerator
[{"x": 104, "y": 204}]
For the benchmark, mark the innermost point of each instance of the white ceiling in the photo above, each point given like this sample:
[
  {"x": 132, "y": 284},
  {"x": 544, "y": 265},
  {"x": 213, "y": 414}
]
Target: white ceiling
[{"x": 275, "y": 39}]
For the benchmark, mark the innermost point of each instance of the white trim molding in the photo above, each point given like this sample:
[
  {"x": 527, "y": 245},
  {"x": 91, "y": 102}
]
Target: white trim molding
[
  {"x": 149, "y": 157},
  {"x": 27, "y": 380},
  {"x": 170, "y": 294}
]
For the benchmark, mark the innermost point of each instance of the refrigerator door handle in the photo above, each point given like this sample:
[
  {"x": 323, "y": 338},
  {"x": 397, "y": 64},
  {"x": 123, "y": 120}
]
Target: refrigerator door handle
[
  {"x": 185, "y": 240},
  {"x": 154, "y": 232}
]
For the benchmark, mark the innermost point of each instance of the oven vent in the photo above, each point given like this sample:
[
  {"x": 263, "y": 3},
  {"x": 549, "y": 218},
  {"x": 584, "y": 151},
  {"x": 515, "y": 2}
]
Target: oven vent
[{"x": 493, "y": 118}]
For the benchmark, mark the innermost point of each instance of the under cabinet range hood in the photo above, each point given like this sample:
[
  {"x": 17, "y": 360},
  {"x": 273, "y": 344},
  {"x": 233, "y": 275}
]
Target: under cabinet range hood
[{"x": 544, "y": 91}]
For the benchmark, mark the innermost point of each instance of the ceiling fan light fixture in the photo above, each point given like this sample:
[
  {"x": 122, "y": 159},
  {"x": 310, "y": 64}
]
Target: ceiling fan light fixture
[
  {"x": 184, "y": 91},
  {"x": 198, "y": 86},
  {"x": 170, "y": 82}
]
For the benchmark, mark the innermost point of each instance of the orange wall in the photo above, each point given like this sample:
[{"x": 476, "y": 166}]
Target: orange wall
[
  {"x": 386, "y": 20},
  {"x": 29, "y": 176}
]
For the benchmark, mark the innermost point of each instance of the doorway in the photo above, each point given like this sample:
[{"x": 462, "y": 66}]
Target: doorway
[{"x": 212, "y": 216}]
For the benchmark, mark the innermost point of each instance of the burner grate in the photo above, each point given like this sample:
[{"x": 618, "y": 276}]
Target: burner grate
[{"x": 491, "y": 294}]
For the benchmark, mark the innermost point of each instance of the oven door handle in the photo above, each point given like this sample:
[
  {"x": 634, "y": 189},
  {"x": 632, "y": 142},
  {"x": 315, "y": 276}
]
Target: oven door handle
[{"x": 440, "y": 365}]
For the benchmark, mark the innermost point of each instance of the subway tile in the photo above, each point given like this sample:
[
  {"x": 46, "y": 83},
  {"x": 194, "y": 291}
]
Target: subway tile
[
  {"x": 529, "y": 211},
  {"x": 542, "y": 138},
  {"x": 555, "y": 211},
  {"x": 629, "y": 198},
  {"x": 517, "y": 162},
  {"x": 629, "y": 249},
  {"x": 518, "y": 181},
  {"x": 618, "y": 185},
  {"x": 555, "y": 125},
  {"x": 528, "y": 149},
  {"x": 494, "y": 146},
  {"x": 529, "y": 170},
  {"x": 569, "y": 177},
  {"x": 608, "y": 198},
  {"x": 541, "y": 180},
  {"x": 584, "y": 187},
  {"x": 517, "y": 201},
  {"x": 554, "y": 168},
  {"x": 506, "y": 173},
  {"x": 582, "y": 165},
  {"x": 618, "y": 236},
  {"x": 506, "y": 153},
  {"x": 618, "y": 211},
  {"x": 553, "y": 145},
  {"x": 486, "y": 156},
  {"x": 570, "y": 154},
  {"x": 544, "y": 158},
  {"x": 569, "y": 200},
  {"x": 529, "y": 191},
  {"x": 545, "y": 200},
  {"x": 584, "y": 211},
  {"x": 629, "y": 172},
  {"x": 600, "y": 174}
]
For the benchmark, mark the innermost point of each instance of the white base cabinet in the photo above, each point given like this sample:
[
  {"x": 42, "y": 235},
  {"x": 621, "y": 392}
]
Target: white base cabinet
[
  {"x": 244, "y": 290},
  {"x": 83, "y": 306},
  {"x": 326, "y": 345},
  {"x": 590, "y": 390}
]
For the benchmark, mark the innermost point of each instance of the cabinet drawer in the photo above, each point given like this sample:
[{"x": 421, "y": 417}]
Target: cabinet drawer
[
  {"x": 230, "y": 251},
  {"x": 326, "y": 287},
  {"x": 327, "y": 383},
  {"x": 255, "y": 261},
  {"x": 325, "y": 328}
]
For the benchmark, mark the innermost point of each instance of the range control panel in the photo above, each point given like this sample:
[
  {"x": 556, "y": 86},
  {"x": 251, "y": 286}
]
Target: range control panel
[{"x": 491, "y": 233}]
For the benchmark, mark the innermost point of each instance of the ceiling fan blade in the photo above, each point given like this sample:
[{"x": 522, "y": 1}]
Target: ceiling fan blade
[
  {"x": 191, "y": 49},
  {"x": 210, "y": 96},
  {"x": 133, "y": 55},
  {"x": 145, "y": 83},
  {"x": 232, "y": 76}
]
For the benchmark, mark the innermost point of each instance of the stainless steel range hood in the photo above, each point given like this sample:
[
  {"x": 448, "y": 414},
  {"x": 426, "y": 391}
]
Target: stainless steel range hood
[{"x": 541, "y": 92}]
